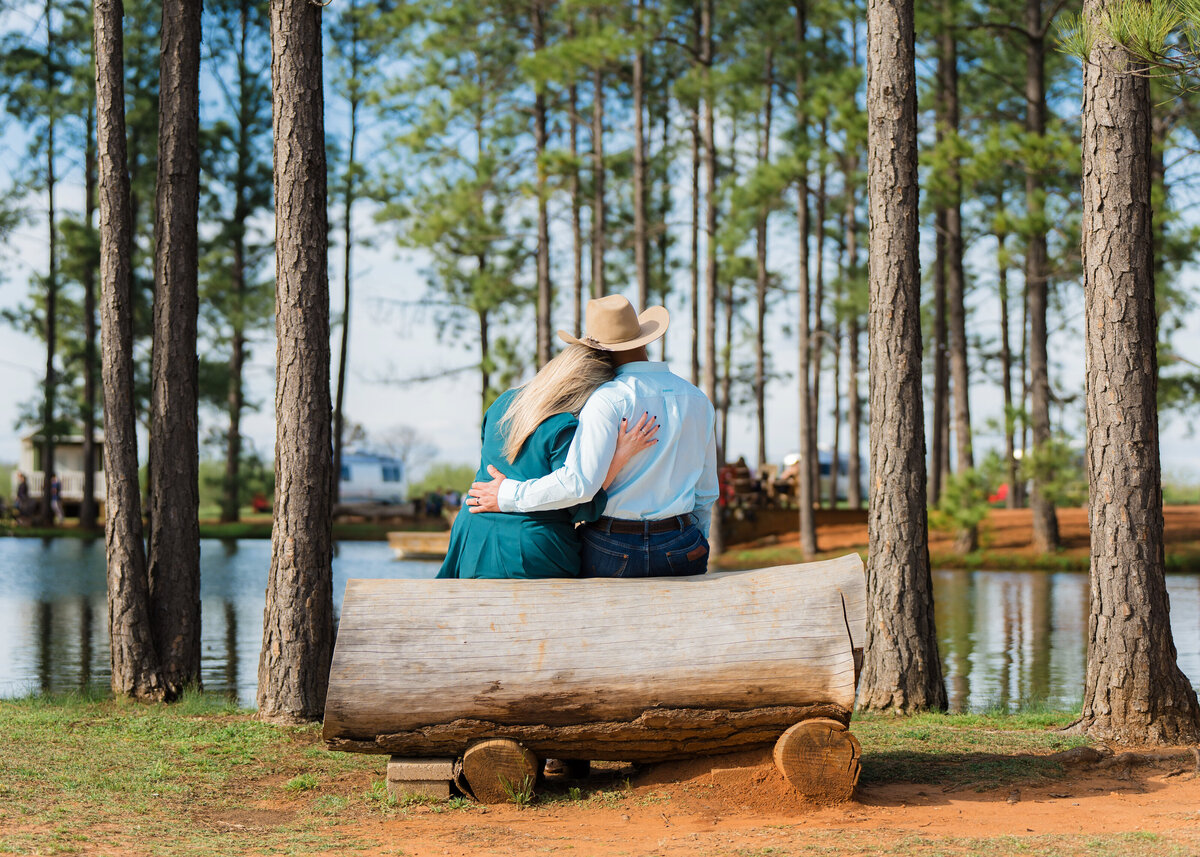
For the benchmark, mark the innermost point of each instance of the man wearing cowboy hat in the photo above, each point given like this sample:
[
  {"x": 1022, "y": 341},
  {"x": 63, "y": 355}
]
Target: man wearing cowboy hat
[{"x": 657, "y": 517}]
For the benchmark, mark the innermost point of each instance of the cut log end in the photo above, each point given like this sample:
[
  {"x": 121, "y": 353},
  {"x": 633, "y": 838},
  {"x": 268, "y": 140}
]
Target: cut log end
[
  {"x": 500, "y": 770},
  {"x": 820, "y": 759}
]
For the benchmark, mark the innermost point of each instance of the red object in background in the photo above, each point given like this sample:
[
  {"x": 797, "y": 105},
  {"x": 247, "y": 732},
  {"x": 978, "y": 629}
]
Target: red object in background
[
  {"x": 260, "y": 503},
  {"x": 1001, "y": 494},
  {"x": 724, "y": 485}
]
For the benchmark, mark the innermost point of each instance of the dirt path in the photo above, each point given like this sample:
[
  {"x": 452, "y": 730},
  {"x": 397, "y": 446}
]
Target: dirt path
[{"x": 731, "y": 812}]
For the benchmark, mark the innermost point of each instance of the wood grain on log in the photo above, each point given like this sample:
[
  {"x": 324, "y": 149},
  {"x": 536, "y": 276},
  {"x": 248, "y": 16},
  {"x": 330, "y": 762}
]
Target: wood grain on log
[
  {"x": 642, "y": 670},
  {"x": 820, "y": 759},
  {"x": 499, "y": 770}
]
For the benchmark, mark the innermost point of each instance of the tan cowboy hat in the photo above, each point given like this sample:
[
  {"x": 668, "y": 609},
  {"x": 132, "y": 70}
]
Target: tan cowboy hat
[{"x": 612, "y": 324}]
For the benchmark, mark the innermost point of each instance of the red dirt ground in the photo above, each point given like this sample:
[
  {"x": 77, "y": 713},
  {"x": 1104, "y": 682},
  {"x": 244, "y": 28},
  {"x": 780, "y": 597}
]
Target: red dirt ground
[
  {"x": 709, "y": 807},
  {"x": 1006, "y": 530}
]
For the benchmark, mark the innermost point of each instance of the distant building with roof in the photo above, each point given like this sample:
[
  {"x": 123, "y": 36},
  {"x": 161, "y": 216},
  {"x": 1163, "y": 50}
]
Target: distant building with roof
[
  {"x": 368, "y": 477},
  {"x": 68, "y": 464}
]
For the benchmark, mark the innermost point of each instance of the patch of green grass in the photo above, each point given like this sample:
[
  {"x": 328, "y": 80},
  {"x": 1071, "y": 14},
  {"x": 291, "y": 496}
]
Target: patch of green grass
[
  {"x": 960, "y": 750},
  {"x": 302, "y": 783}
]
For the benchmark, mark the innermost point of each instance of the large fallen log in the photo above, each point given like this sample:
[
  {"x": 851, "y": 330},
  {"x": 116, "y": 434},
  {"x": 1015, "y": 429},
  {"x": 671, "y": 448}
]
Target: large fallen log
[{"x": 630, "y": 670}]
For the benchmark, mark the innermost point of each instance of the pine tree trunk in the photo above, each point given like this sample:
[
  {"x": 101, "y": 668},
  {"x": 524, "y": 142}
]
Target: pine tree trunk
[
  {"x": 485, "y": 348},
  {"x": 641, "y": 244},
  {"x": 545, "y": 298},
  {"x": 939, "y": 453},
  {"x": 804, "y": 481},
  {"x": 1010, "y": 458},
  {"x": 853, "y": 403},
  {"x": 235, "y": 401},
  {"x": 1134, "y": 691},
  {"x": 1045, "y": 519},
  {"x": 87, "y": 507},
  {"x": 836, "y": 339},
  {"x": 708, "y": 132},
  {"x": 350, "y": 195},
  {"x": 818, "y": 325},
  {"x": 174, "y": 442},
  {"x": 664, "y": 214},
  {"x": 235, "y": 397},
  {"x": 576, "y": 202},
  {"x": 599, "y": 288},
  {"x": 761, "y": 275},
  {"x": 293, "y": 669},
  {"x": 854, "y": 421},
  {"x": 694, "y": 292},
  {"x": 134, "y": 661},
  {"x": 901, "y": 669},
  {"x": 967, "y": 538},
  {"x": 50, "y": 329}
]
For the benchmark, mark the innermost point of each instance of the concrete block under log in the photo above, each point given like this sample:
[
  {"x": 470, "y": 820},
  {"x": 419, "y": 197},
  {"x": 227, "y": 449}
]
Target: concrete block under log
[
  {"x": 400, "y": 768},
  {"x": 437, "y": 789},
  {"x": 630, "y": 670}
]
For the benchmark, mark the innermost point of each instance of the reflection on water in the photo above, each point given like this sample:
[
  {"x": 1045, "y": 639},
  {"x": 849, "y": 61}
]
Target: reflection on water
[
  {"x": 1007, "y": 638},
  {"x": 1014, "y": 638},
  {"x": 53, "y": 610}
]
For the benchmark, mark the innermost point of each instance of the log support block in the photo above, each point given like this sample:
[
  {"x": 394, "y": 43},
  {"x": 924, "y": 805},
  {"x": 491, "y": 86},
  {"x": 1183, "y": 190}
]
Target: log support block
[
  {"x": 500, "y": 770},
  {"x": 820, "y": 759},
  {"x": 419, "y": 777}
]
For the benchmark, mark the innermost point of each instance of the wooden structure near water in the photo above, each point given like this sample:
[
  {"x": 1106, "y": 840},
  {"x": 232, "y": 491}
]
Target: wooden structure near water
[
  {"x": 419, "y": 545},
  {"x": 633, "y": 670}
]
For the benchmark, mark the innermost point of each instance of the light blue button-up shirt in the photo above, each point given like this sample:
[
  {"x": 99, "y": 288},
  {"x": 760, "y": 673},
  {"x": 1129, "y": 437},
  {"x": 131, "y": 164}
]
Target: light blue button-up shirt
[{"x": 676, "y": 476}]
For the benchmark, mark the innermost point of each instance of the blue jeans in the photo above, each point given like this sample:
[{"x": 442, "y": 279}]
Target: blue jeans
[{"x": 672, "y": 554}]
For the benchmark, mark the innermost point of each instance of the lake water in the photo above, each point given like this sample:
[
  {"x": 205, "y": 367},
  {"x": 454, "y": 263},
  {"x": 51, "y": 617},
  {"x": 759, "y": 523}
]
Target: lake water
[{"x": 1007, "y": 638}]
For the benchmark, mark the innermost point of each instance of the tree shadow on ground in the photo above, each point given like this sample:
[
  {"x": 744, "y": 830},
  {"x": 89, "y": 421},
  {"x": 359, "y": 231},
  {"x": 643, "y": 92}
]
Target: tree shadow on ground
[{"x": 959, "y": 776}]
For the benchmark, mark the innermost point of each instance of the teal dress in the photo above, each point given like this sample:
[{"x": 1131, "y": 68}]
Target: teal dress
[{"x": 511, "y": 545}]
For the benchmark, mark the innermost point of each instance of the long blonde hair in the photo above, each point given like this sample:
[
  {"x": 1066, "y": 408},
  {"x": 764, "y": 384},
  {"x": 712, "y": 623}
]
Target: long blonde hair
[{"x": 562, "y": 386}]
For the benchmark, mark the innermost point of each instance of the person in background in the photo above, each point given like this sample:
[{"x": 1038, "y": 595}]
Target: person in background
[
  {"x": 21, "y": 500},
  {"x": 56, "y": 506}
]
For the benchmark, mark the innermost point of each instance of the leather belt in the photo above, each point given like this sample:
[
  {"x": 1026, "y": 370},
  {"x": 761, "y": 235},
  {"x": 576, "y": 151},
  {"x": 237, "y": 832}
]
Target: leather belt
[{"x": 637, "y": 528}]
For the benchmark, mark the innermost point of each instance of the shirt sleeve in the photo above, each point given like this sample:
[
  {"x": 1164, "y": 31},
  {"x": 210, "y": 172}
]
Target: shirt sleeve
[
  {"x": 581, "y": 475},
  {"x": 706, "y": 486}
]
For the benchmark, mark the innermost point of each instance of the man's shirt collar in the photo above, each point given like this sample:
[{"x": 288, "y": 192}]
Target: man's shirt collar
[{"x": 643, "y": 367}]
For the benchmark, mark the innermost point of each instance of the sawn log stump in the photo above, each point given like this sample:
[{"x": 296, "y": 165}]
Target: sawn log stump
[{"x": 630, "y": 670}]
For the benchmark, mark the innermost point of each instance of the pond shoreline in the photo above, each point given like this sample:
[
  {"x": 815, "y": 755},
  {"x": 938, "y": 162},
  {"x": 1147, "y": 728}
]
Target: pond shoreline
[{"x": 1005, "y": 537}]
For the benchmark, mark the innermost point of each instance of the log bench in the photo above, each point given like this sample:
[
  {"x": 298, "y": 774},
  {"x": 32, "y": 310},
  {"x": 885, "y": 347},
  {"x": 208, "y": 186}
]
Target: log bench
[{"x": 487, "y": 678}]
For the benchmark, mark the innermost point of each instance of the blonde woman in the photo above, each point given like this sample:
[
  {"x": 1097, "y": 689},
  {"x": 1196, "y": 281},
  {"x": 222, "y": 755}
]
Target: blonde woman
[{"x": 526, "y": 434}]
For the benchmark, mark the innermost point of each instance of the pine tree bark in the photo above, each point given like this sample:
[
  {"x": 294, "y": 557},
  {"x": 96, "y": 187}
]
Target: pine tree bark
[
  {"x": 694, "y": 291},
  {"x": 967, "y": 538},
  {"x": 804, "y": 481},
  {"x": 761, "y": 275},
  {"x": 939, "y": 453},
  {"x": 641, "y": 243},
  {"x": 87, "y": 506},
  {"x": 708, "y": 134},
  {"x": 1045, "y": 519},
  {"x": 576, "y": 201},
  {"x": 235, "y": 397},
  {"x": 853, "y": 402},
  {"x": 854, "y": 497},
  {"x": 174, "y": 442},
  {"x": 545, "y": 298},
  {"x": 1010, "y": 458},
  {"x": 901, "y": 669},
  {"x": 50, "y": 328},
  {"x": 293, "y": 670},
  {"x": 1134, "y": 691},
  {"x": 817, "y": 340},
  {"x": 134, "y": 661},
  {"x": 599, "y": 287}
]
